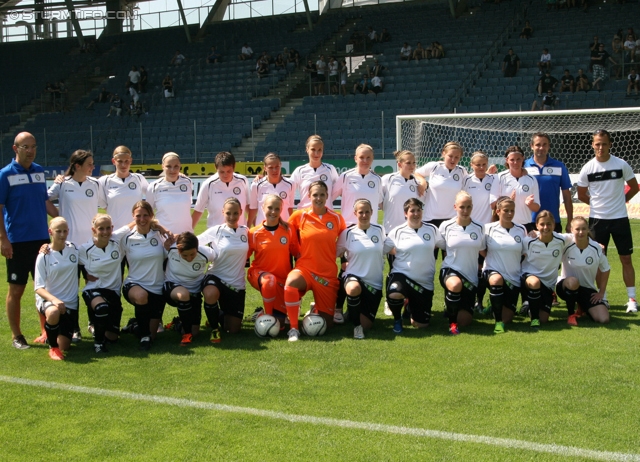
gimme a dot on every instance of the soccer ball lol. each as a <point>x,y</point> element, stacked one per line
<point>267,326</point>
<point>314,325</point>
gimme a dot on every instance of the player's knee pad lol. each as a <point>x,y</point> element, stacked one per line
<point>101,311</point>
<point>396,287</point>
<point>452,297</point>
<point>496,290</point>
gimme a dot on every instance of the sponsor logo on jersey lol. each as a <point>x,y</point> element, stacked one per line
<point>283,240</point>
<point>589,260</point>
<point>375,239</point>
<point>556,253</point>
<point>323,177</point>
<point>153,241</point>
<point>89,192</point>
<point>330,225</point>
<point>371,184</point>
<point>73,258</point>
<point>196,266</point>
<point>115,254</point>
<point>525,188</point>
<point>183,187</point>
<point>236,190</point>
<point>132,186</point>
<point>243,238</point>
<point>473,236</point>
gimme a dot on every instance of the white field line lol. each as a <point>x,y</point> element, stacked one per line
<point>508,443</point>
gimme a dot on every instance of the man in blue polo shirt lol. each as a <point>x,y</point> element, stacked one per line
<point>553,179</point>
<point>24,205</point>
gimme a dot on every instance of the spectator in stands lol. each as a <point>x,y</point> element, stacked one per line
<point>617,53</point>
<point>567,82</point>
<point>510,64</point>
<point>144,79</point>
<point>311,70</point>
<point>593,46</point>
<point>63,93</point>
<point>376,69</point>
<point>54,95</point>
<point>634,82</point>
<point>214,56</point>
<point>102,97</point>
<point>167,87</point>
<point>376,84</point>
<point>437,50</point>
<point>527,31</point>
<point>133,93</point>
<point>266,57</point>
<point>262,68</point>
<point>582,81</point>
<point>362,86</point>
<point>334,69</point>
<point>419,52</point>
<point>547,82</point>
<point>405,52</point>
<point>545,61</point>
<point>599,59</point>
<point>629,48</point>
<point>246,52</point>
<point>372,36</point>
<point>116,105</point>
<point>134,78</point>
<point>279,63</point>
<point>178,58</point>
<point>385,36</point>
<point>321,67</point>
<point>549,102</point>
<point>344,74</point>
<point>294,57</point>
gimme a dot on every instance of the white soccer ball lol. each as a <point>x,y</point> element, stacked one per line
<point>314,325</point>
<point>267,326</point>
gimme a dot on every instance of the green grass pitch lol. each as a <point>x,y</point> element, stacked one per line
<point>573,387</point>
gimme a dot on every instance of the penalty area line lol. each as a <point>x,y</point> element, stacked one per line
<point>568,451</point>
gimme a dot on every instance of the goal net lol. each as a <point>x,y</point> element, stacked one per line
<point>570,133</point>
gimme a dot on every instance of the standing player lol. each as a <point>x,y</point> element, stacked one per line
<point>318,228</point>
<point>462,240</point>
<point>171,196</point>
<point>24,205</point>
<point>363,244</point>
<point>56,286</point>
<point>553,180</point>
<point>601,185</point>
<point>501,270</point>
<point>414,267</point>
<point>584,262</point>
<point>225,282</point>
<point>214,192</point>
<point>359,183</point>
<point>397,188</point>
<point>519,186</point>
<point>120,190</point>
<point>316,170</point>
<point>272,183</point>
<point>273,244</point>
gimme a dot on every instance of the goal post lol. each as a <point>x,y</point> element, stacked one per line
<point>570,133</point>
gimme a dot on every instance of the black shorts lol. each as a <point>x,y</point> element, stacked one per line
<point>113,300</point>
<point>67,322</point>
<point>510,292</point>
<point>196,298</point>
<point>23,261</point>
<point>370,297</point>
<point>155,301</point>
<point>545,293</point>
<point>231,300</point>
<point>420,298</point>
<point>584,296</point>
<point>468,289</point>
<point>619,229</point>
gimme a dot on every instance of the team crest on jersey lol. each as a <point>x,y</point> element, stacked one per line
<point>556,253</point>
<point>549,170</point>
<point>132,186</point>
<point>153,241</point>
<point>37,176</point>
<point>613,174</point>
<point>456,177</point>
<point>236,190</point>
<point>426,237</point>
<point>323,177</point>
<point>243,238</point>
<point>196,266</point>
<point>375,239</point>
<point>589,260</point>
<point>89,192</point>
<point>73,258</point>
<point>283,240</point>
<point>283,195</point>
<point>487,187</point>
<point>517,239</point>
<point>330,225</point>
<point>473,236</point>
<point>525,188</point>
<point>371,184</point>
<point>412,188</point>
<point>115,255</point>
<point>183,187</point>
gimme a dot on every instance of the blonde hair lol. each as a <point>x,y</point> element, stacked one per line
<point>100,216</point>
<point>480,154</point>
<point>122,151</point>
<point>362,147</point>
<point>57,220</point>
<point>462,195</point>
<point>275,197</point>
<point>452,145</point>
<point>170,155</point>
<point>314,138</point>
<point>362,201</point>
<point>399,155</point>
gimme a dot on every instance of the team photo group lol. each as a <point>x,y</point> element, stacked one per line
<point>497,232</point>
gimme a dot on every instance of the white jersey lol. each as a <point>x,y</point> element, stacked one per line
<point>145,257</point>
<point>506,183</point>
<point>261,188</point>
<point>584,264</point>
<point>118,195</point>
<point>396,190</point>
<point>444,184</point>
<point>480,192</point>
<point>352,186</point>
<point>78,204</point>
<point>232,246</point>
<point>415,252</point>
<point>542,260</point>
<point>504,250</point>
<point>462,244</point>
<point>303,176</point>
<point>57,273</point>
<point>189,274</point>
<point>364,251</point>
<point>172,203</point>
<point>214,192</point>
<point>103,264</point>
<point>606,181</point>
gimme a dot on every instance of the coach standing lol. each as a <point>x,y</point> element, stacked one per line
<point>601,185</point>
<point>553,179</point>
<point>23,224</point>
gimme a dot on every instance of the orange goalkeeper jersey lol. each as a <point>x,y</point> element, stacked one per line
<point>273,249</point>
